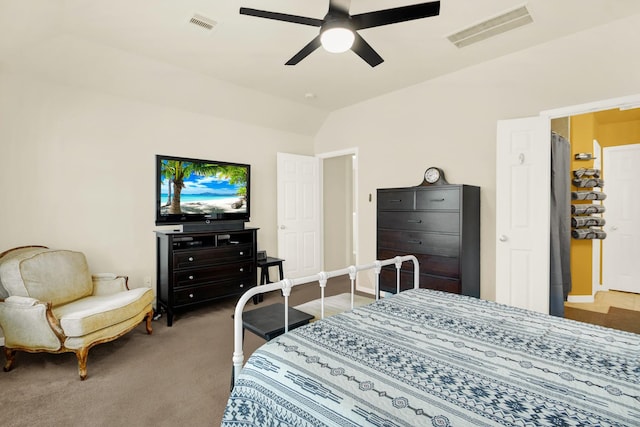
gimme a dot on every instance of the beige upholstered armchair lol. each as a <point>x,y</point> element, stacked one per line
<point>50,302</point>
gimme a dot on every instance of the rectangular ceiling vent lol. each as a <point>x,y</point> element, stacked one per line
<point>203,22</point>
<point>492,27</point>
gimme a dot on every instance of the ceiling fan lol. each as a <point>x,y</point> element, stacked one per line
<point>338,29</point>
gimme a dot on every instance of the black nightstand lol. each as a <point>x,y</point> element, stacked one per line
<point>268,322</point>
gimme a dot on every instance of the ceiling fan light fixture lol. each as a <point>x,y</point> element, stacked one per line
<point>337,39</point>
<point>338,28</point>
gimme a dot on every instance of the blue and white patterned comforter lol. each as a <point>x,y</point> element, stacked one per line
<point>428,358</point>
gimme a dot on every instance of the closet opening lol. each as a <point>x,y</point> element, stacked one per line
<point>604,155</point>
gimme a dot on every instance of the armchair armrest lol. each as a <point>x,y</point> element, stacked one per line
<point>109,283</point>
<point>30,324</point>
<point>18,300</point>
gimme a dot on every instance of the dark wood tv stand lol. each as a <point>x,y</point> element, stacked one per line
<point>203,266</point>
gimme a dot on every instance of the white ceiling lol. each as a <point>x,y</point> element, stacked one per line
<point>250,52</point>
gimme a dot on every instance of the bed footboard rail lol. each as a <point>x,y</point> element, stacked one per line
<point>322,277</point>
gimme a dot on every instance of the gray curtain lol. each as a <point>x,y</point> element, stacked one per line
<point>560,266</point>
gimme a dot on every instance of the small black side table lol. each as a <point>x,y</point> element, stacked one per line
<point>264,271</point>
<point>268,322</point>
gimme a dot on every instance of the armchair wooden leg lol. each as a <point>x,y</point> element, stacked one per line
<point>11,355</point>
<point>148,323</point>
<point>82,355</point>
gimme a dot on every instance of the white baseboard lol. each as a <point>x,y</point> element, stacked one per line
<point>580,298</point>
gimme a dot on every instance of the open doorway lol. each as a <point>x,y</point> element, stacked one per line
<point>602,134</point>
<point>603,266</point>
<point>317,212</point>
<point>339,195</point>
<point>522,196</point>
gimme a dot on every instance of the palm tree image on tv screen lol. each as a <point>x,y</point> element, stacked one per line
<point>202,188</point>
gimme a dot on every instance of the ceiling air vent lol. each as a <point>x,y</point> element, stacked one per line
<point>492,27</point>
<point>202,21</point>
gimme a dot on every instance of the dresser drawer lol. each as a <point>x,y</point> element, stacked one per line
<point>185,296</point>
<point>396,200</point>
<point>447,245</point>
<point>446,222</point>
<point>438,199</point>
<point>221,272</point>
<point>204,257</point>
<point>388,282</point>
<point>429,264</point>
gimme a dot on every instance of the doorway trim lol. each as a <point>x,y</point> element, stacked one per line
<point>631,101</point>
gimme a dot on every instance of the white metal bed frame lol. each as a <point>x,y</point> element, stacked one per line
<point>287,284</point>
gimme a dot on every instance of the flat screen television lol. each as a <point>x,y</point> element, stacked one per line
<point>201,194</point>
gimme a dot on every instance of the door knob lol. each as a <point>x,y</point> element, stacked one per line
<point>503,238</point>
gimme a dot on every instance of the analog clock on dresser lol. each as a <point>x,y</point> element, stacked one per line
<point>434,176</point>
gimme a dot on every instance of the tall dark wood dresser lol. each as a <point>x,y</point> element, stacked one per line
<point>438,224</point>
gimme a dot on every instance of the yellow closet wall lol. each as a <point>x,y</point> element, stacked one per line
<point>583,132</point>
<point>608,132</point>
<point>623,133</point>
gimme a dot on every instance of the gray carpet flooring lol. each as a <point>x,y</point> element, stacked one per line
<point>180,375</point>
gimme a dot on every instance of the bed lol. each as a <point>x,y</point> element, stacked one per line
<point>424,357</point>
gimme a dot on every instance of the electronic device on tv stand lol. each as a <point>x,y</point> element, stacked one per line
<point>201,194</point>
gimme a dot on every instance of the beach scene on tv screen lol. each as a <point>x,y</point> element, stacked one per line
<point>201,188</point>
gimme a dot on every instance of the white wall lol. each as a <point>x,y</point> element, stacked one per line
<point>450,121</point>
<point>78,169</point>
<point>77,164</point>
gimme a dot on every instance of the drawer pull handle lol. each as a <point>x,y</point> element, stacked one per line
<point>415,221</point>
<point>395,201</point>
<point>241,269</point>
<point>242,285</point>
<point>416,242</point>
<point>190,277</point>
<point>190,295</point>
<point>241,253</point>
<point>437,200</point>
<point>190,258</point>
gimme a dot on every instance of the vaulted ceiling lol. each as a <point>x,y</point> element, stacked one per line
<point>60,38</point>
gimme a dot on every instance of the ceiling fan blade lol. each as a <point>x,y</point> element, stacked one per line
<point>305,51</point>
<point>365,51</point>
<point>281,17</point>
<point>395,15</point>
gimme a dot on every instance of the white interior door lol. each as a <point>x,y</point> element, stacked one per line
<point>621,248</point>
<point>523,179</point>
<point>299,217</point>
